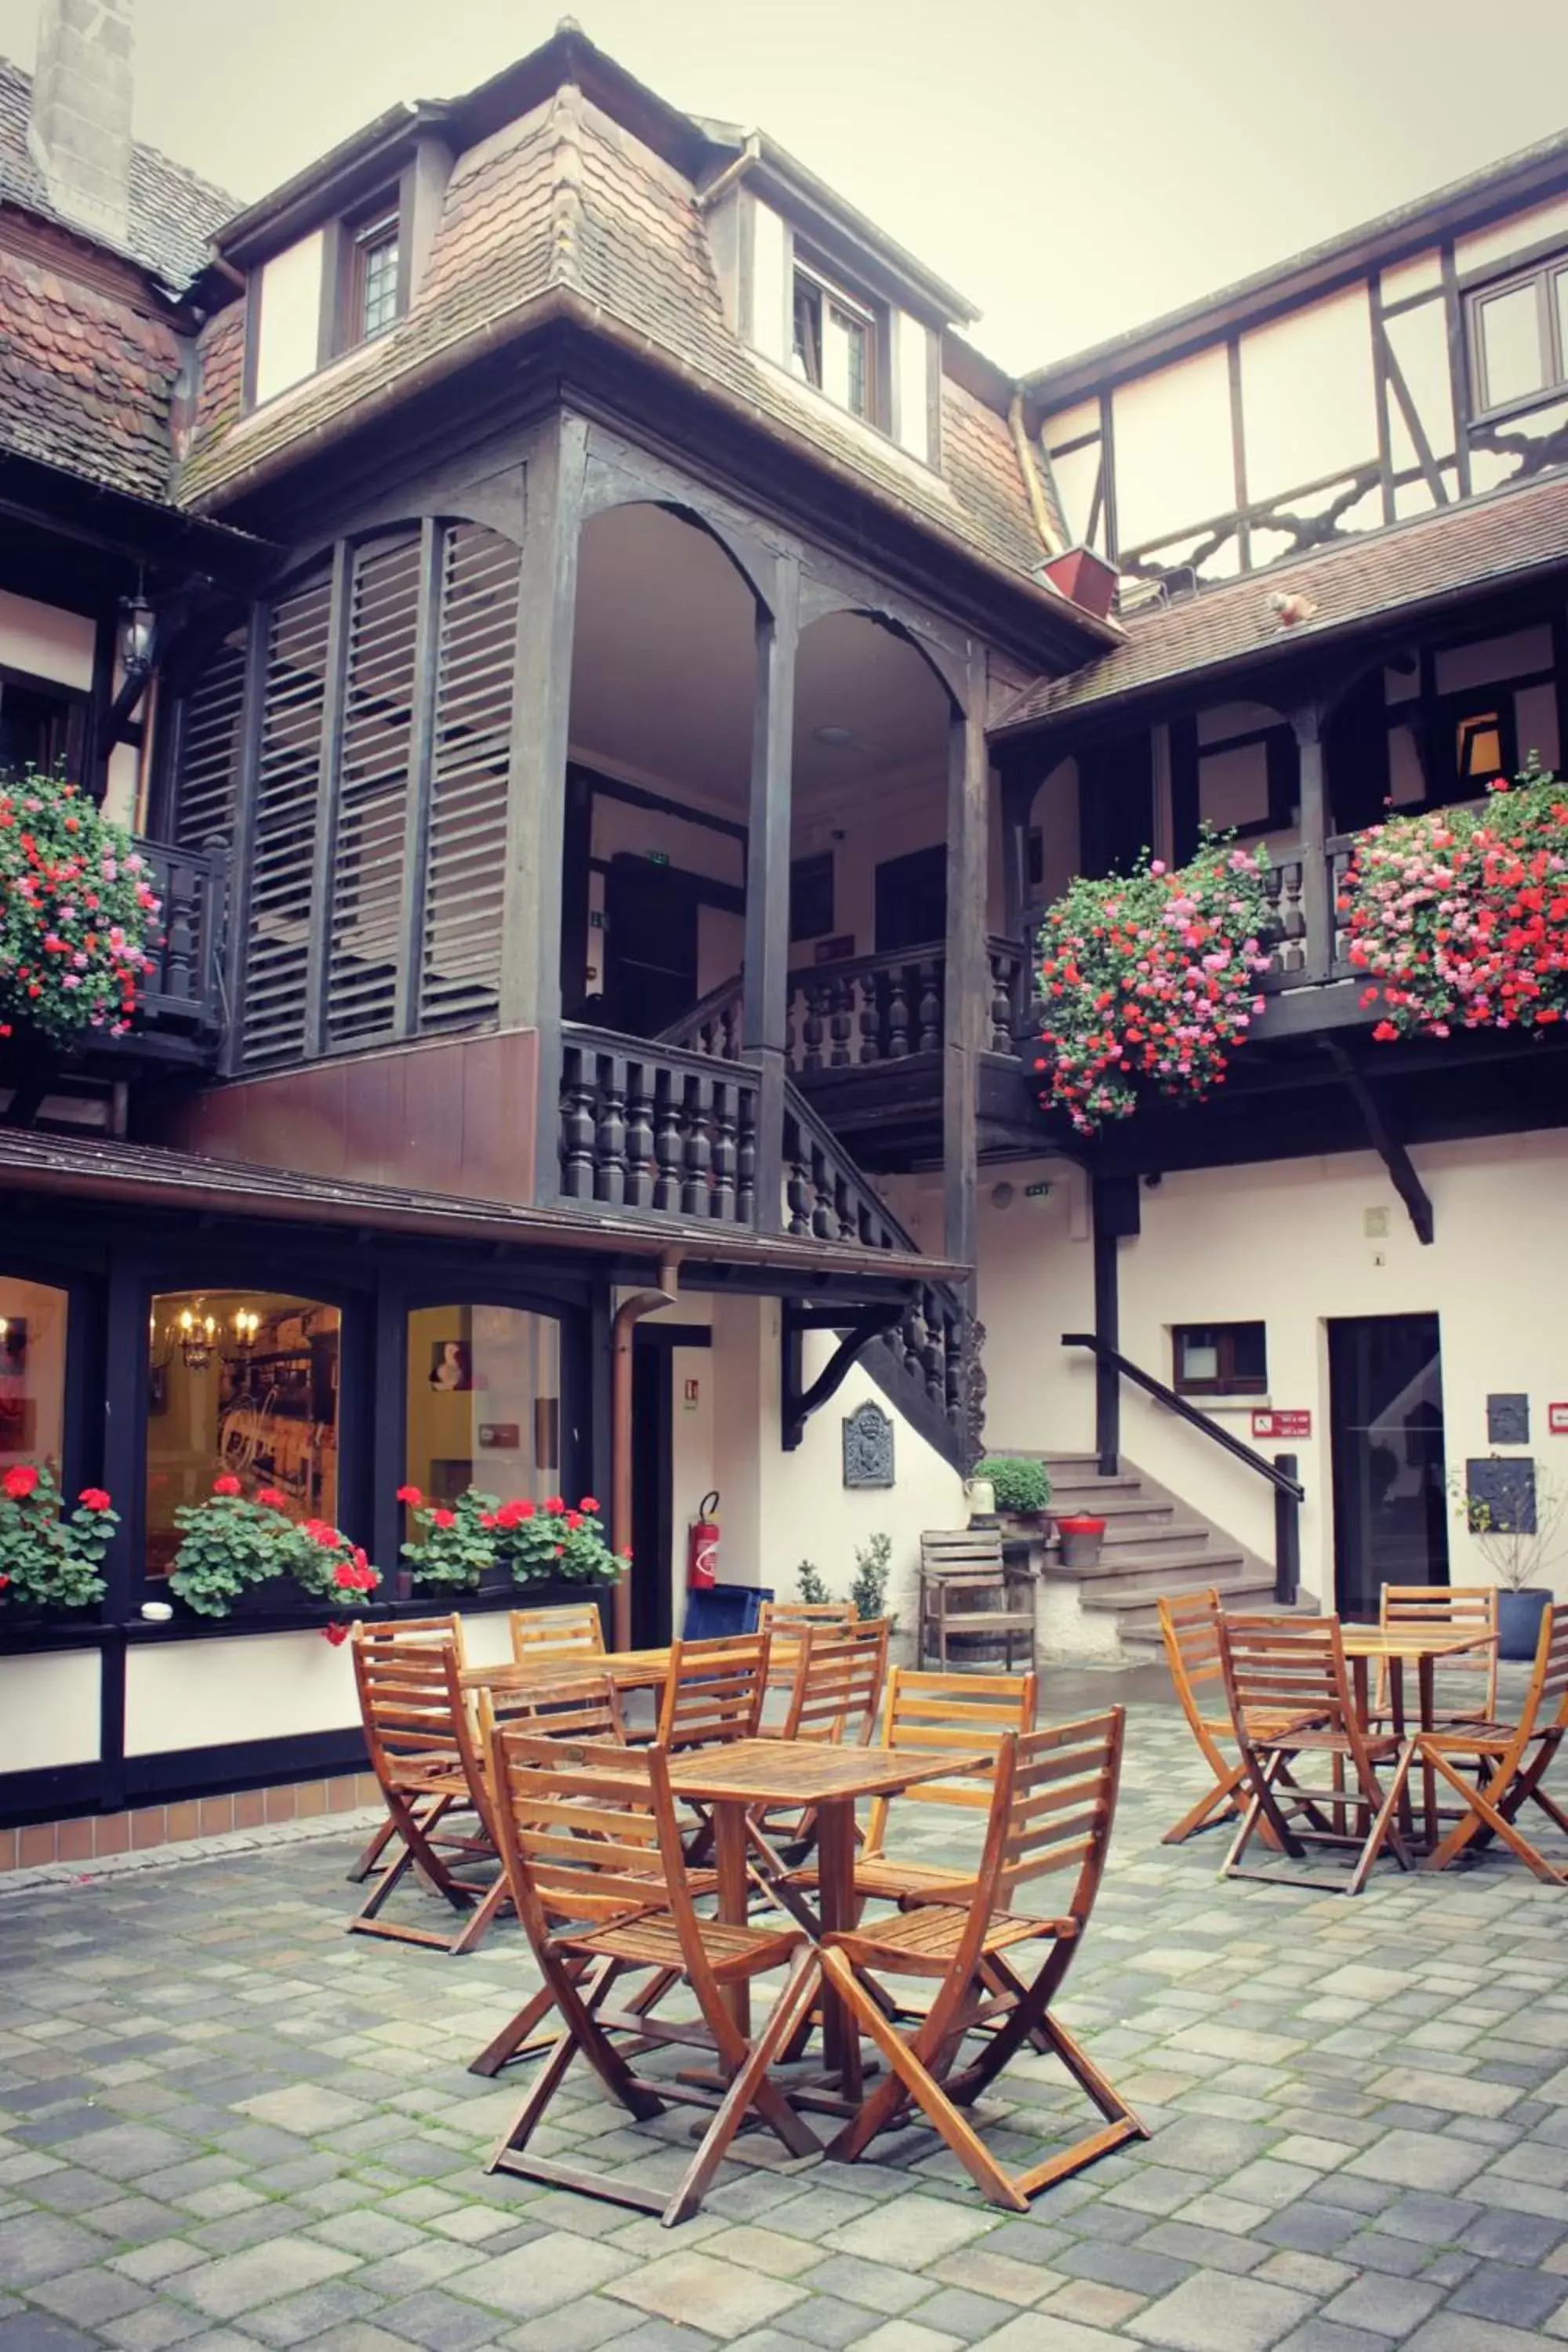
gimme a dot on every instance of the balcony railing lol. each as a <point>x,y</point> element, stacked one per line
<point>1310,948</point>
<point>185,990</point>
<point>867,1012</point>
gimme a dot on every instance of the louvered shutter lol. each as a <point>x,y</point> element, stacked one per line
<point>206,786</point>
<point>366,934</point>
<point>459,951</point>
<point>283,835</point>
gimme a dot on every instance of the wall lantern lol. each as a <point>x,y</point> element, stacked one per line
<point>138,630</point>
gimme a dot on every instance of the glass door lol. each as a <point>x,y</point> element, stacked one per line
<point>1386,1396</point>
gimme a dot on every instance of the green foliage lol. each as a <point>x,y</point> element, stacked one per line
<point>1018,1483</point>
<point>869,1585</point>
<point>460,1543</point>
<point>234,1540</point>
<point>1518,1555</point>
<point>48,1559</point>
<point>811,1585</point>
<point>78,913</point>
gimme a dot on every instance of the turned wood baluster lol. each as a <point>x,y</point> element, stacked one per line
<point>821,1195</point>
<point>844,1208</point>
<point>898,1012</point>
<point>746,1158</point>
<point>932,1355</point>
<point>577,1127</point>
<point>695,1191</point>
<point>912,1335</point>
<point>667,1146</point>
<point>1339,934</point>
<point>929,1014</point>
<point>953,1350</point>
<point>797,1189</point>
<point>724,1126</point>
<point>870,1019</point>
<point>1001,1003</point>
<point>610,1136</point>
<point>174,973</point>
<point>815,996</point>
<point>790,1039</point>
<point>639,1136</point>
<point>843,1001</point>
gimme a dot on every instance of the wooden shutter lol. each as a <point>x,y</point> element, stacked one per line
<point>207,787</point>
<point>365,933</point>
<point>460,967</point>
<point>283,837</point>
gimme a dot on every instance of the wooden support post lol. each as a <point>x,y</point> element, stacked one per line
<point>1108,1225</point>
<point>541,707</point>
<point>966,986</point>
<point>1287,1536</point>
<point>1385,1143</point>
<point>764,1008</point>
<point>1316,903</point>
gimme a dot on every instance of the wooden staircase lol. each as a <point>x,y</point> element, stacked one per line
<point>1154,1544</point>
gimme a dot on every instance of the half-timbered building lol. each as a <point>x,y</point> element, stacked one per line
<point>604,673</point>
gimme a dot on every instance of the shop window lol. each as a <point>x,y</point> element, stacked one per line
<point>1221,1358</point>
<point>484,1401</point>
<point>244,1381</point>
<point>32,1372</point>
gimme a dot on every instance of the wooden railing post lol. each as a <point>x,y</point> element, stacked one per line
<point>1286,1536</point>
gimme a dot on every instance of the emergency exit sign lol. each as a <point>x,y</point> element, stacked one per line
<point>1282,1425</point>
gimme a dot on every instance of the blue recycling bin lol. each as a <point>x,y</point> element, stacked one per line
<point>716,1610</point>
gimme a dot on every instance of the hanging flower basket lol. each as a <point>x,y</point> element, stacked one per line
<point>1148,981</point>
<point>78,914</point>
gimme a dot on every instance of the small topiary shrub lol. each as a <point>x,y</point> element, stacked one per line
<point>1019,1483</point>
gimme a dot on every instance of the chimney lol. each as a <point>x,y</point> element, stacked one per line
<point>79,134</point>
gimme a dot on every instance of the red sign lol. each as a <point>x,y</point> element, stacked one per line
<point>1287,1424</point>
<point>1557,1419</point>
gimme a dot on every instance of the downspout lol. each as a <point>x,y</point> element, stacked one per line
<point>627,1315</point>
<point>751,154</point>
<point>1025,456</point>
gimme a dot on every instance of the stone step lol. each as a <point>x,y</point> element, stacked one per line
<point>1136,1506</point>
<point>1102,1586</point>
<point>1138,1620</point>
<point>1135,1535</point>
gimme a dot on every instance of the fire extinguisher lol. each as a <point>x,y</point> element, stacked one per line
<point>702,1545</point>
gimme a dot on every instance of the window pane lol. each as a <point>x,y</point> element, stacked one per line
<point>256,1398</point>
<point>32,1372</point>
<point>1197,1355</point>
<point>1479,746</point>
<point>1249,1358</point>
<point>843,370</point>
<point>378,299</point>
<point>1560,288</point>
<point>484,1401</point>
<point>1510,327</point>
<point>807,353</point>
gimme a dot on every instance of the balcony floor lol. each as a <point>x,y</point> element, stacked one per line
<point>226,2125</point>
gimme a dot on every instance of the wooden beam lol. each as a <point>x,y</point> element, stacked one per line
<point>966,1022</point>
<point>798,1403</point>
<point>1385,1143</point>
<point>764,1004</point>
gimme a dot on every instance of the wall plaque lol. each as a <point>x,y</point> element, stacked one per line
<point>1282,1422</point>
<point>868,1448</point>
<point>1508,1420</point>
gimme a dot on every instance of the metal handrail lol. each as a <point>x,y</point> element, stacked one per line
<point>1278,1479</point>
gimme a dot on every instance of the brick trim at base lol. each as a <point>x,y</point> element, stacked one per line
<point>83,1838</point>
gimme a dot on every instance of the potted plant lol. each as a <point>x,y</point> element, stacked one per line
<point>50,1560</point>
<point>1021,1486</point>
<point>1082,1533</point>
<point>78,915</point>
<point>479,1540</point>
<point>236,1548</point>
<point>1518,1539</point>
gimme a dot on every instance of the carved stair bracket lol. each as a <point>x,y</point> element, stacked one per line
<point>974,1388</point>
<point>797,1402</point>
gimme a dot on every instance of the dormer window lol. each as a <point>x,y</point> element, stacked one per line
<point>834,343</point>
<point>373,272</point>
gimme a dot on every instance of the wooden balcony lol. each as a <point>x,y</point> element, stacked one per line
<point>183,1006</point>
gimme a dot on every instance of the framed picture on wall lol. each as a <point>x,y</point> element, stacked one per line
<point>451,1365</point>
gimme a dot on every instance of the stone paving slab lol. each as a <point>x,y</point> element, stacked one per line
<point>225,2126</point>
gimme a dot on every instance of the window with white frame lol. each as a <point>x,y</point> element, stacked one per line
<point>835,341</point>
<point>1519,336</point>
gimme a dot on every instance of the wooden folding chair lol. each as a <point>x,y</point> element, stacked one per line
<point>713,1691</point>
<point>1290,1697</point>
<point>835,1693</point>
<point>1189,1625</point>
<point>1510,1760</point>
<point>960,1567</point>
<point>541,1633</point>
<point>1051,1809</point>
<point>958,1715</point>
<point>588,1832</point>
<point>424,1753</point>
<point>786,1620</point>
<point>419,1630</point>
<point>1458,1609</point>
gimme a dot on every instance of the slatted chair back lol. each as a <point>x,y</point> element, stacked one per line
<point>384,1636</point>
<point>786,1620</point>
<point>581,1831</point>
<point>837,1683</point>
<point>587,1707</point>
<point>1288,1669</point>
<point>960,1547</point>
<point>958,1715</point>
<point>1456,1608</point>
<point>1189,1627</point>
<point>411,1706</point>
<point>714,1691</point>
<point>540,1633</point>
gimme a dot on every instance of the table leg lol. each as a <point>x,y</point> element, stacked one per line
<point>836,1896</point>
<point>733,1892</point>
<point>1427,1670</point>
<point>1396,1716</point>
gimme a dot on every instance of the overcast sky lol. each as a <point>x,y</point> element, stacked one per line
<point>1074,166</point>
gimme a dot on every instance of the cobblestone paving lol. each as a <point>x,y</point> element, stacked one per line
<point>223,2124</point>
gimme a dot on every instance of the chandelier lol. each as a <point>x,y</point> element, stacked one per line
<point>196,1332</point>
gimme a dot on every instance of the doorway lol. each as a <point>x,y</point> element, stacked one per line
<point>1386,1416</point>
<point>652,1492</point>
<point>650,947</point>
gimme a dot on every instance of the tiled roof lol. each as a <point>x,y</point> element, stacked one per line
<point>172,213</point>
<point>1436,555</point>
<point>568,201</point>
<point>85,379</point>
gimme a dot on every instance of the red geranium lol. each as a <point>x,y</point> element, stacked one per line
<point>588,1503</point>
<point>411,1496</point>
<point>227,1484</point>
<point>554,1503</point>
<point>443,1518</point>
<point>20,1482</point>
<point>336,1634</point>
<point>273,1496</point>
<point>94,1498</point>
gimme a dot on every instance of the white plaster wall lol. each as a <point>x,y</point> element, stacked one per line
<point>1419,341</point>
<point>1308,402</point>
<point>1171,431</point>
<point>288,317</point>
<point>210,1693</point>
<point>770,284</point>
<point>1286,1243</point>
<point>50,1710</point>
<point>1075,476</point>
<point>1515,235</point>
<point>45,640</point>
<point>911,366</point>
<point>908,815</point>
